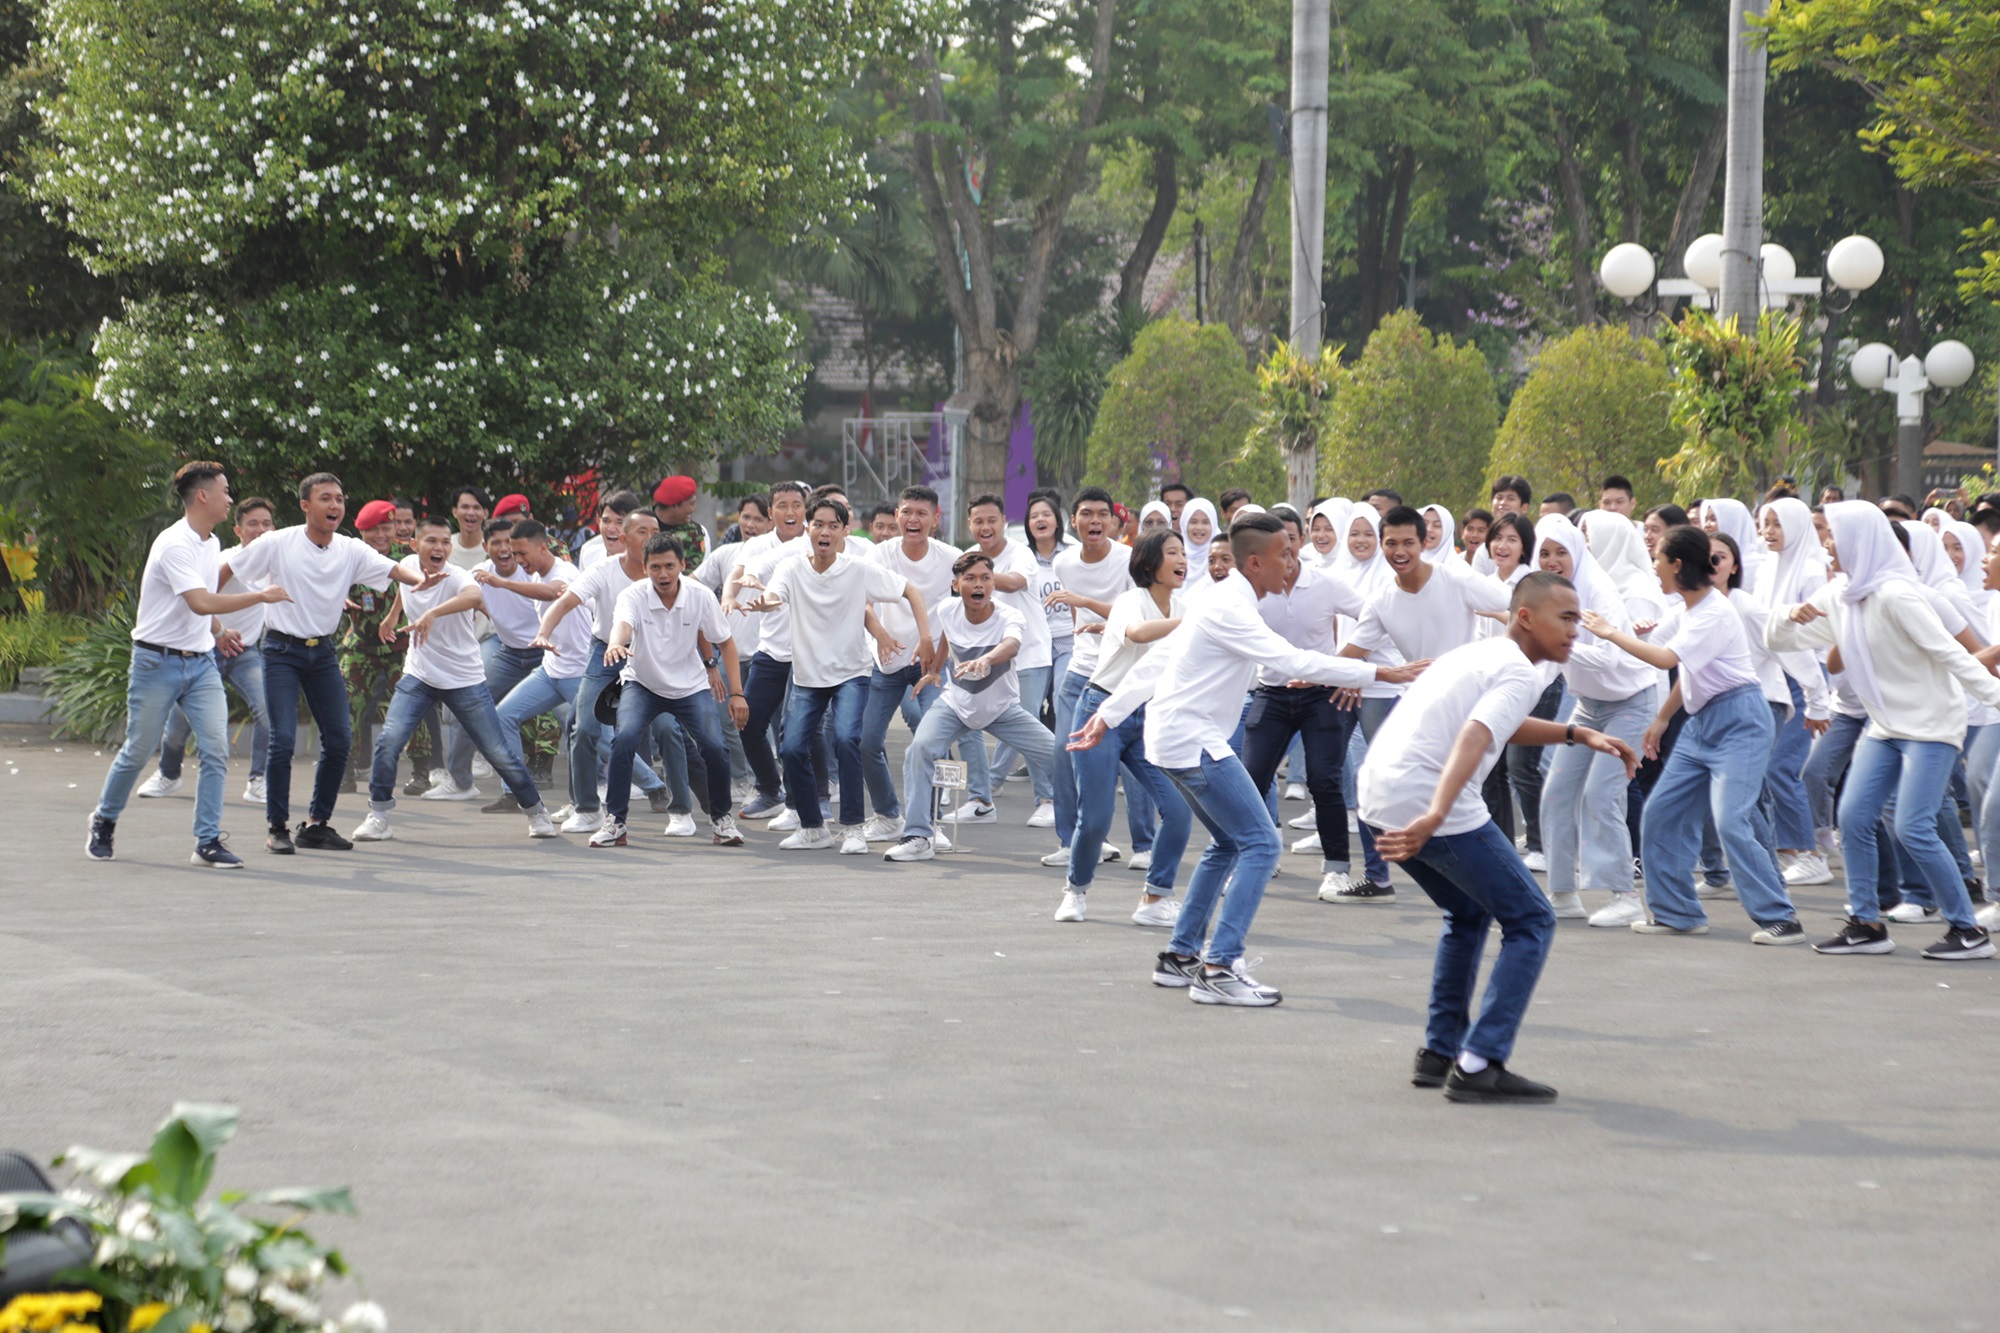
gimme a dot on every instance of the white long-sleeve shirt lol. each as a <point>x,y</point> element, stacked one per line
<point>1923,672</point>
<point>1193,683</point>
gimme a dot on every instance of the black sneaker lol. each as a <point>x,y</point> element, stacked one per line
<point>1431,1069</point>
<point>1858,936</point>
<point>1780,932</point>
<point>1170,969</point>
<point>321,838</point>
<point>417,785</point>
<point>215,856</point>
<point>1361,891</point>
<point>1494,1084</point>
<point>506,805</point>
<point>660,802</point>
<point>279,840</point>
<point>1960,945</point>
<point>98,847</point>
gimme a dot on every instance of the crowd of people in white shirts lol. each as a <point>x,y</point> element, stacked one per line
<point>1672,707</point>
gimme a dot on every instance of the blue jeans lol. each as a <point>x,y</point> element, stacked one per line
<point>637,709</point>
<point>1786,807</point>
<point>1096,772</point>
<point>887,692</point>
<point>1140,817</point>
<point>505,668</point>
<point>1372,713</point>
<point>1831,751</point>
<point>764,694</point>
<point>292,668</point>
<point>1280,718</point>
<point>809,705</point>
<point>155,684</point>
<point>246,672</point>
<point>1583,799</point>
<point>940,729</point>
<point>537,694</point>
<point>477,717</point>
<point>1241,855</point>
<point>587,747</point>
<point>1034,689</point>
<point>1478,879</point>
<point>1982,781</point>
<point>1717,765</point>
<point>1915,774</point>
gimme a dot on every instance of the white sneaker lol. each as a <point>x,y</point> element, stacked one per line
<point>539,823</point>
<point>1536,862</point>
<point>727,834</point>
<point>254,789</point>
<point>881,828</point>
<point>939,840</point>
<point>978,812</point>
<point>1310,819</point>
<point>852,843</point>
<point>375,828</point>
<point>1569,906</point>
<point>1334,883</point>
<point>1161,912</point>
<point>158,785</point>
<point>583,821</point>
<point>1072,905</point>
<point>1974,854</point>
<point>1988,916</point>
<point>438,775</point>
<point>450,791</point>
<point>912,848</point>
<point>1308,845</point>
<point>1809,868</point>
<point>1295,791</point>
<point>680,826</point>
<point>1353,822</point>
<point>480,768</point>
<point>612,834</point>
<point>786,822</point>
<point>1703,889</point>
<point>1141,860</point>
<point>1058,857</point>
<point>808,840</point>
<point>1620,912</point>
<point>1044,816</point>
<point>1911,914</point>
<point>1108,854</point>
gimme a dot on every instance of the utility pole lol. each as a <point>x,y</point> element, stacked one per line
<point>1311,23</point>
<point>1743,172</point>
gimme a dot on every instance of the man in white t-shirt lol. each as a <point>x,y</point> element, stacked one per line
<point>316,565</point>
<point>173,664</point>
<point>539,578</point>
<point>470,507</point>
<point>979,641</point>
<point>829,595</point>
<point>1419,793</point>
<point>240,657</point>
<point>610,537</point>
<point>508,654</point>
<point>769,673</point>
<point>1015,574</point>
<point>443,668</point>
<point>677,657</point>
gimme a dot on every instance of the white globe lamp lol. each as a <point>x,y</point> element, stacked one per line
<point>1871,365</point>
<point>1949,364</point>
<point>1703,261</point>
<point>1854,264</point>
<point>1627,270</point>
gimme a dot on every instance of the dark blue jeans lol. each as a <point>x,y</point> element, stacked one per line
<point>1478,879</point>
<point>764,694</point>
<point>292,668</point>
<point>478,719</point>
<point>637,708</point>
<point>1277,715</point>
<point>809,706</point>
<point>1096,774</point>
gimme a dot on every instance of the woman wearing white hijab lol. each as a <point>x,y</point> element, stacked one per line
<point>1732,519</point>
<point>1360,562</point>
<point>1156,514</point>
<point>1197,547</point>
<point>1792,575</point>
<point>1620,549</point>
<point>1583,802</point>
<point>1328,529</point>
<point>1913,678</point>
<point>1438,528</point>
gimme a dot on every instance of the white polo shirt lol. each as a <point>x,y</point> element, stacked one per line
<point>761,558</point>
<point>665,658</point>
<point>181,561</point>
<point>249,622</point>
<point>317,577</point>
<point>572,637</point>
<point>448,658</point>
<point>1308,615</point>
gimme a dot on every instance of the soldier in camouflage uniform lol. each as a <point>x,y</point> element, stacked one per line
<point>373,667</point>
<point>673,505</point>
<point>517,508</point>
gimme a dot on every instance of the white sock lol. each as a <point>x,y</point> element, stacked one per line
<point>1471,1063</point>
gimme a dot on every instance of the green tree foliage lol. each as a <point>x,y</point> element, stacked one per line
<point>1735,401</point>
<point>1065,385</point>
<point>1180,408</point>
<point>431,242</point>
<point>1417,411</point>
<point>1596,403</point>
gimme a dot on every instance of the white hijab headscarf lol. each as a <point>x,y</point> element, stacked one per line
<point>1937,518</point>
<point>1444,550</point>
<point>1335,512</point>
<point>1872,558</point>
<point>1620,549</point>
<point>1368,575</point>
<point>1594,589</point>
<point>1973,543</point>
<point>1794,574</point>
<point>1197,552</point>
<point>1732,520</point>
<point>1152,507</point>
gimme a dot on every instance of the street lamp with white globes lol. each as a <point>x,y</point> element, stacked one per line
<point>1874,367</point>
<point>1630,273</point>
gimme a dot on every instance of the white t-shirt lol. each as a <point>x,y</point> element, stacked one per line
<point>1715,655</point>
<point>930,573</point>
<point>979,702</point>
<point>593,551</point>
<point>1309,615</point>
<point>1062,626</point>
<point>572,637</point>
<point>665,657</point>
<point>181,561</point>
<point>516,619</point>
<point>714,574</point>
<point>1014,558</point>
<point>467,558</point>
<point>761,557</point>
<point>1101,581</point>
<point>448,658</point>
<point>317,577</point>
<point>829,613</point>
<point>1490,682</point>
<point>598,588</point>
<point>249,622</point>
<point>1428,623</point>
<point>1117,654</point>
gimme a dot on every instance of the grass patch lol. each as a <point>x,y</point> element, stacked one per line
<point>35,640</point>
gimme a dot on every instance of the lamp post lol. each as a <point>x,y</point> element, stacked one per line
<point>1875,367</point>
<point>1630,273</point>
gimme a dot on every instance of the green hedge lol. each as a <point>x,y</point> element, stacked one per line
<point>36,639</point>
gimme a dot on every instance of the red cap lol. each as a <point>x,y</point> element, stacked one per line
<point>373,515</point>
<point>673,491</point>
<point>509,503</point>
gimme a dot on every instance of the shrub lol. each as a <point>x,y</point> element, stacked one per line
<point>1596,403</point>
<point>35,640</point>
<point>1735,402</point>
<point>88,683</point>
<point>1415,412</point>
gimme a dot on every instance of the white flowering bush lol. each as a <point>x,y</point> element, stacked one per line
<point>421,230</point>
<point>168,1260</point>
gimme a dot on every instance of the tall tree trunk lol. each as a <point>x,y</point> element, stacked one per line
<point>1583,231</point>
<point>1632,226</point>
<point>1236,282</point>
<point>1166,198</point>
<point>1384,215</point>
<point>1692,208</point>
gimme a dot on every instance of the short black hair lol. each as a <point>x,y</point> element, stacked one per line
<point>880,509</point>
<point>1051,497</point>
<point>987,498</point>
<point>195,476</point>
<point>1615,482</point>
<point>1735,557</point>
<point>643,515</point>
<point>665,543</point>
<point>1249,533</point>
<point>1562,500</point>
<point>1402,516</point>
<point>968,560</point>
<point>797,488</point>
<point>1672,515</point>
<point>1835,491</point>
<point>829,488</point>
<point>1689,545</point>
<point>1092,495</point>
<point>1522,527</point>
<point>1148,554</point>
<point>434,521</point>
<point>485,500</point>
<point>1518,485</point>
<point>1180,486</point>
<point>923,493</point>
<point>1231,496</point>
<point>757,500</point>
<point>493,526</point>
<point>317,479</point>
<point>250,502</point>
<point>403,502</point>
<point>620,502</point>
<point>1393,497</point>
<point>840,511</point>
<point>1534,589</point>
<point>1475,516</point>
<point>528,530</point>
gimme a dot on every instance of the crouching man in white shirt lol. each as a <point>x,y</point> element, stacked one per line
<point>978,640</point>
<point>443,666</point>
<point>1419,792</point>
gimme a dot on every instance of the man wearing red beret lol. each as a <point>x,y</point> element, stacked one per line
<point>372,667</point>
<point>673,503</point>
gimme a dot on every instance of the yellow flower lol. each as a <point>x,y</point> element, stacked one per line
<point>146,1316</point>
<point>52,1312</point>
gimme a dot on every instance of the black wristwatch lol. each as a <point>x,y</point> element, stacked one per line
<point>1569,736</point>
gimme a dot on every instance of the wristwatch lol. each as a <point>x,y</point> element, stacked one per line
<point>1569,736</point>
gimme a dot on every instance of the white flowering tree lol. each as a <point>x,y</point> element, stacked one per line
<point>427,242</point>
